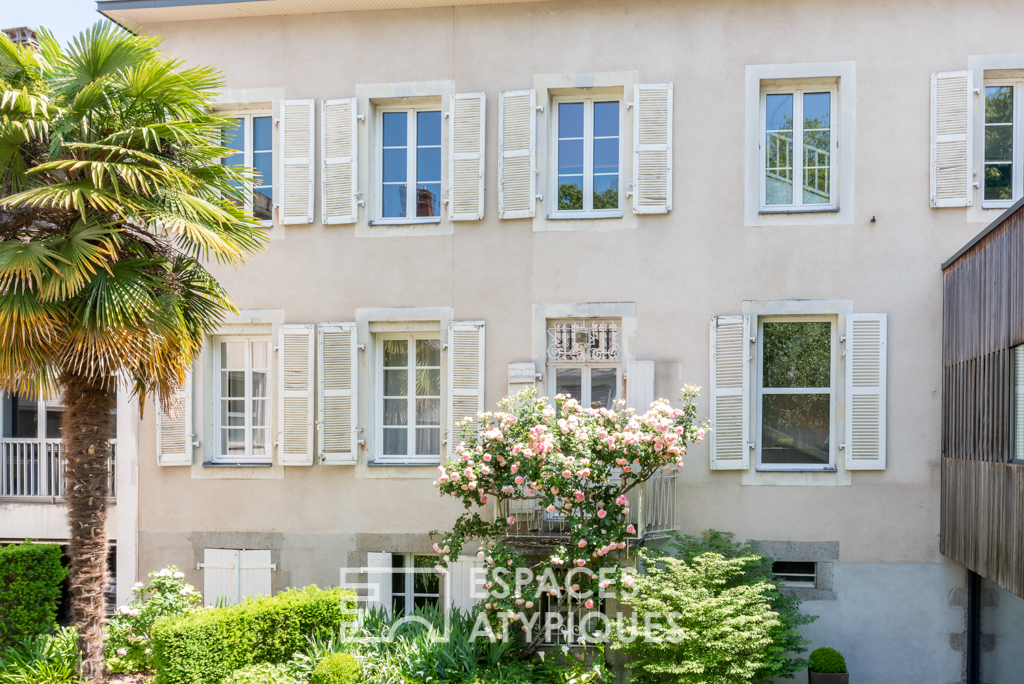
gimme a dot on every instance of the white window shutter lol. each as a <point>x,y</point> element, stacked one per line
<point>639,385</point>
<point>297,161</point>
<point>338,387</point>
<point>296,355</point>
<point>952,126</point>
<point>254,578</point>
<point>174,428</point>
<point>220,576</point>
<point>466,143</point>
<point>730,392</point>
<point>467,583</point>
<point>520,376</point>
<point>465,376</point>
<point>865,393</point>
<point>517,158</point>
<point>340,141</point>
<point>652,148</point>
<point>378,577</point>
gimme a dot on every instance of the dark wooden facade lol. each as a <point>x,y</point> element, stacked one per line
<point>982,485</point>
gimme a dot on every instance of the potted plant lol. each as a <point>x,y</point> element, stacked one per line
<point>827,666</point>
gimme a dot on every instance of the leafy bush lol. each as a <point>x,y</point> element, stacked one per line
<point>205,646</point>
<point>785,637</point>
<point>263,673</point>
<point>41,659</point>
<point>826,660</point>
<point>128,646</point>
<point>337,668</point>
<point>30,578</point>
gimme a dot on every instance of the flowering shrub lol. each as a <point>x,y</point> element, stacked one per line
<point>128,645</point>
<point>583,463</point>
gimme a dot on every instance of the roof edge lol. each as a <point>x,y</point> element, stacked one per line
<point>980,236</point>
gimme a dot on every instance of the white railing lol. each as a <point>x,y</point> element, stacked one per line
<point>35,468</point>
<point>654,515</point>
<point>780,151</point>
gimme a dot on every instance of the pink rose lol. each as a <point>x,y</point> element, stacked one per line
<point>589,603</point>
<point>512,520</point>
<point>630,529</point>
<point>601,513</point>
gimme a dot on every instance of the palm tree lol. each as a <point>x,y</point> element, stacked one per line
<point>112,199</point>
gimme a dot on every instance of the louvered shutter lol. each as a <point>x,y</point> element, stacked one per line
<point>952,172</point>
<point>339,373</point>
<point>378,579</point>
<point>730,392</point>
<point>174,428</point>
<point>466,583</point>
<point>639,385</point>
<point>517,160</point>
<point>652,151</point>
<point>220,576</point>
<point>466,142</point>
<point>340,137</point>
<point>865,394</point>
<point>296,392</point>
<point>465,376</point>
<point>297,161</point>
<point>254,573</point>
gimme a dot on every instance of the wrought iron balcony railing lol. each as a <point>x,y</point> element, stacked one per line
<point>34,468</point>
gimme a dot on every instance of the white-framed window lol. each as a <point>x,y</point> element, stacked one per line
<point>584,360</point>
<point>587,157</point>
<point>409,159</point>
<point>253,137</point>
<point>414,582</point>
<point>241,387</point>
<point>796,574</point>
<point>409,397</point>
<point>796,374</point>
<point>593,385</point>
<point>799,141</point>
<point>1003,182</point>
<point>30,418</point>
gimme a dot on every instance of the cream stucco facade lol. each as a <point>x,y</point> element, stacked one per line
<point>891,607</point>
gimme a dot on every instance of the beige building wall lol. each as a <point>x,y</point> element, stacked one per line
<point>680,269</point>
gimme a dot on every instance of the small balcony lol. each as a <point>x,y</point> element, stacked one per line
<point>33,469</point>
<point>654,515</point>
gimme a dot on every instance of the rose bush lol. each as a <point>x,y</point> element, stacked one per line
<point>585,464</point>
<point>127,646</point>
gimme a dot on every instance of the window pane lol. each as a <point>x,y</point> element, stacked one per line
<point>396,129</point>
<point>259,413</point>
<point>259,442</point>
<point>262,133</point>
<point>606,119</point>
<point>426,582</point>
<point>998,104</point>
<point>428,199</point>
<point>428,411</point>
<point>428,441</point>
<point>395,165</point>
<point>397,574</point>
<point>54,420</point>
<point>606,155</point>
<point>795,428</point>
<point>797,354</point>
<point>817,139</point>
<point>232,355</point>
<point>396,441</point>
<point>396,353</point>
<point>21,417</point>
<point>263,164</point>
<point>570,192</point>
<point>569,381</point>
<point>428,165</point>
<point>570,120</point>
<point>234,138</point>
<point>394,201</point>
<point>233,443</point>
<point>396,411</point>
<point>259,384</point>
<point>428,129</point>
<point>998,143</point>
<point>396,382</point>
<point>428,382</point>
<point>606,192</point>
<point>428,352</point>
<point>232,412</point>
<point>603,389</point>
<point>570,157</point>
<point>778,149</point>
<point>998,181</point>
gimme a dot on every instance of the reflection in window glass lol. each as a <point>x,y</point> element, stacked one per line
<point>263,165</point>
<point>570,156</point>
<point>415,583</point>
<point>569,381</point>
<point>588,155</point>
<point>428,163</point>
<point>807,119</point>
<point>395,163</point>
<point>411,397</point>
<point>411,164</point>
<point>999,142</point>
<point>20,417</point>
<point>603,386</point>
<point>796,403</point>
<point>234,139</point>
<point>244,421</point>
<point>779,149</point>
<point>817,139</point>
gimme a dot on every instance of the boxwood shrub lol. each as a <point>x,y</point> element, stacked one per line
<point>826,660</point>
<point>30,578</point>
<point>337,668</point>
<point>206,646</point>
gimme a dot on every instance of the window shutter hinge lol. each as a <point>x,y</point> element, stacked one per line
<point>361,117</point>
<point>540,108</point>
<point>361,347</point>
<point>629,105</point>
<point>750,445</point>
<point>540,198</point>
<point>842,445</point>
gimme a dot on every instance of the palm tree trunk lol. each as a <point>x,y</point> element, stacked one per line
<point>87,430</point>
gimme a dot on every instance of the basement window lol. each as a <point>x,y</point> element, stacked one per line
<point>796,574</point>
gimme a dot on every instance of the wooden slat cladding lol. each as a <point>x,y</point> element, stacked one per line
<point>983,519</point>
<point>982,508</point>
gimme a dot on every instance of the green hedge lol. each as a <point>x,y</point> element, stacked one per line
<point>337,668</point>
<point>30,577</point>
<point>205,646</point>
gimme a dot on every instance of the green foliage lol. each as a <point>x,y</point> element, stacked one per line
<point>511,672</point>
<point>128,643</point>
<point>262,673</point>
<point>785,637</point>
<point>337,668</point>
<point>41,659</point>
<point>570,197</point>
<point>826,660</point>
<point>204,647</point>
<point>695,623</point>
<point>30,578</point>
